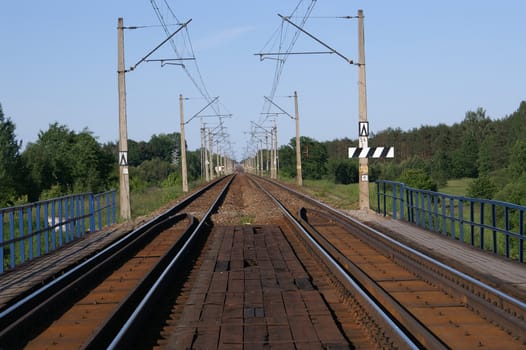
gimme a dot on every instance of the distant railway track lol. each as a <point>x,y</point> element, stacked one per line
<point>429,303</point>
<point>394,296</point>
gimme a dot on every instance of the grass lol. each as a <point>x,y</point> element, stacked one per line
<point>147,201</point>
<point>336,195</point>
<point>457,187</point>
<point>154,198</point>
<point>346,196</point>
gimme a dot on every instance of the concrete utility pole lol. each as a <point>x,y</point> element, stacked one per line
<point>362,107</point>
<point>211,155</point>
<point>299,175</point>
<point>124,180</point>
<point>204,161</point>
<point>276,155</point>
<point>183,147</point>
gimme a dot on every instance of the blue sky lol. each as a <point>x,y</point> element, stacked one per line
<point>427,63</point>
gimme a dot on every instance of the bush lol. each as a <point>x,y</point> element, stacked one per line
<point>418,178</point>
<point>482,187</point>
<point>345,172</point>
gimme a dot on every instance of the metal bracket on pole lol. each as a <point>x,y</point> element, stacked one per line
<point>314,38</point>
<point>281,109</point>
<point>158,46</point>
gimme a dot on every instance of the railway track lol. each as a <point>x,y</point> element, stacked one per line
<point>430,304</point>
<point>101,302</point>
<point>248,263</point>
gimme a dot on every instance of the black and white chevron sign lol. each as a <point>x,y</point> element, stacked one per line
<point>371,152</point>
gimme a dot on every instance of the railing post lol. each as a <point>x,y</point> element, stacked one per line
<point>402,197</point>
<point>12,237</point>
<point>431,212</point>
<point>410,203</point>
<point>452,216</point>
<point>494,224</point>
<point>385,199</point>
<point>394,197</point>
<point>1,241</point>
<point>21,234</point>
<point>100,209</point>
<point>46,225</point>
<point>114,207</point>
<point>60,216</point>
<point>443,205</point>
<point>471,219</point>
<point>482,225</point>
<point>378,196</point>
<point>37,228</point>
<point>521,233</point>
<point>82,203</point>
<point>507,219</point>
<point>30,232</point>
<point>91,200</point>
<point>461,216</point>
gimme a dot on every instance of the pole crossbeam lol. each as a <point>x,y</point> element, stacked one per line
<point>315,38</point>
<point>277,106</point>
<point>183,25</point>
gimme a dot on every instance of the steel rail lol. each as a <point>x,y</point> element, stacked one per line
<point>126,334</point>
<point>391,331</point>
<point>425,337</point>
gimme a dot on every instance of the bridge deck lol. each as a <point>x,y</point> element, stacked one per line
<point>258,295</point>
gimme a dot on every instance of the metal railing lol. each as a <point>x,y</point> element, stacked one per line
<point>487,224</point>
<point>31,230</point>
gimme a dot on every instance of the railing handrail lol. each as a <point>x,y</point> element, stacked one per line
<point>489,224</point>
<point>465,198</point>
<point>34,229</point>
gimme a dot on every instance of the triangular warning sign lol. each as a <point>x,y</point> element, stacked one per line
<point>363,129</point>
<point>123,158</point>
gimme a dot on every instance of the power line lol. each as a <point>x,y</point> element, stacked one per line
<point>283,34</point>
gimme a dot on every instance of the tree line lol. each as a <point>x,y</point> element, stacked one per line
<point>491,152</point>
<point>61,161</point>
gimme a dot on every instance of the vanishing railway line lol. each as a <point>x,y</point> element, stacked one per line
<point>286,272</point>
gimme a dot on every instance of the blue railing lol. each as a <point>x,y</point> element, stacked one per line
<point>31,230</point>
<point>487,224</point>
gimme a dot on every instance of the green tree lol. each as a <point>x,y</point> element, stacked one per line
<point>193,160</point>
<point>11,168</point>
<point>482,187</point>
<point>93,165</point>
<point>417,178</point>
<point>287,160</point>
<point>50,161</point>
<point>517,164</point>
<point>164,146</point>
<point>154,171</point>
<point>314,158</point>
<point>345,172</point>
<point>67,162</point>
<point>514,192</point>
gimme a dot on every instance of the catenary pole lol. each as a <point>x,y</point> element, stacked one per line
<point>183,146</point>
<point>299,175</point>
<point>124,180</point>
<point>362,107</point>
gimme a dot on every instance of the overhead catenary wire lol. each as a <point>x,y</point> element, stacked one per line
<point>281,60</point>
<point>196,78</point>
<point>199,82</point>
